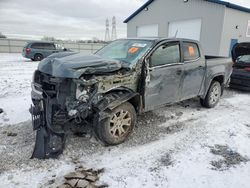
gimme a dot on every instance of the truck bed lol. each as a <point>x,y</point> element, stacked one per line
<point>219,65</point>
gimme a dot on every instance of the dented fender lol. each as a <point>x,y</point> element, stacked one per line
<point>112,100</point>
<point>121,100</point>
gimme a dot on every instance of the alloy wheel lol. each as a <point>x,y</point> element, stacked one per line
<point>120,123</point>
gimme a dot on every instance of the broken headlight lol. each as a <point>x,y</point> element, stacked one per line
<point>37,88</point>
<point>35,85</point>
<point>85,89</point>
<point>84,92</point>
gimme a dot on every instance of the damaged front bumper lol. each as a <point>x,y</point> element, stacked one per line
<point>59,105</point>
<point>49,144</point>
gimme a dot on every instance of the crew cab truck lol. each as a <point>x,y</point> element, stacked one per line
<point>105,92</point>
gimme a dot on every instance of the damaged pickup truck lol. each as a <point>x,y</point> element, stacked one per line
<point>103,93</point>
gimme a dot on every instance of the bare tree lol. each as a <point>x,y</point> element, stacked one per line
<point>47,38</point>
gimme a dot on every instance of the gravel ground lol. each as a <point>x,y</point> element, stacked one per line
<point>17,141</point>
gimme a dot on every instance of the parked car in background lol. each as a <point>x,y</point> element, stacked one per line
<point>240,78</point>
<point>36,51</point>
<point>105,92</point>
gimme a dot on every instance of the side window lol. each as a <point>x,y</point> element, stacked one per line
<point>191,51</point>
<point>36,45</point>
<point>168,53</point>
<point>49,46</point>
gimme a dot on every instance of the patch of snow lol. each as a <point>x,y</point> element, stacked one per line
<point>189,151</point>
<point>36,178</point>
<point>15,86</point>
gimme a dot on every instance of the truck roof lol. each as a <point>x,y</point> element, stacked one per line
<point>159,39</point>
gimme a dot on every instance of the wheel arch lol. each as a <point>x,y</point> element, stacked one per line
<point>116,97</point>
<point>37,53</point>
<point>220,77</point>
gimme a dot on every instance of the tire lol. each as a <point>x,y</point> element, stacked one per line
<point>213,95</point>
<point>38,57</point>
<point>118,126</point>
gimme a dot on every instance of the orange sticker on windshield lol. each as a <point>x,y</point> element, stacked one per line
<point>191,50</point>
<point>133,50</point>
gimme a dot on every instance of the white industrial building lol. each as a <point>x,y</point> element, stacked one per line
<point>218,25</point>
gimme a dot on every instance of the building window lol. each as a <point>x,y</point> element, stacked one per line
<point>248,29</point>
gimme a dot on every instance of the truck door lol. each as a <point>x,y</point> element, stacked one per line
<point>193,71</point>
<point>164,74</point>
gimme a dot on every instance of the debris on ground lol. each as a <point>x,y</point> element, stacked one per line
<point>247,125</point>
<point>166,160</point>
<point>231,158</point>
<point>179,114</point>
<point>82,178</point>
<point>12,134</point>
<point>175,128</point>
<point>50,182</point>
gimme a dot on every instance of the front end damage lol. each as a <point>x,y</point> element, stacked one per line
<point>74,91</point>
<point>58,105</point>
<point>62,104</point>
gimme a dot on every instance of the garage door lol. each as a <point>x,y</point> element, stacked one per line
<point>190,29</point>
<point>147,31</point>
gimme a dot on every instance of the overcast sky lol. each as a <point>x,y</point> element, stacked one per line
<point>67,19</point>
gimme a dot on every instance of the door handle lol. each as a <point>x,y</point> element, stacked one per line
<point>178,72</point>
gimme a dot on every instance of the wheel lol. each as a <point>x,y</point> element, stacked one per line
<point>213,95</point>
<point>38,57</point>
<point>117,127</point>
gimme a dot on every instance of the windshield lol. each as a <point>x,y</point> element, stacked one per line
<point>128,51</point>
<point>244,59</point>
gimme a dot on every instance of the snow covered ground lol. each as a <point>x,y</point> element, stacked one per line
<point>179,146</point>
<point>16,74</point>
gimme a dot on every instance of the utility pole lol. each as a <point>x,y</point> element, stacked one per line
<point>113,36</point>
<point>107,36</point>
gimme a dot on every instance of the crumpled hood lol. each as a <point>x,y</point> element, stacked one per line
<point>73,65</point>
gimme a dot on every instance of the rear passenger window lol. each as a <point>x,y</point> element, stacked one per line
<point>191,51</point>
<point>37,45</point>
<point>47,46</point>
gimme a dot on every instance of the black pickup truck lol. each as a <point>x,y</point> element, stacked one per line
<point>106,91</point>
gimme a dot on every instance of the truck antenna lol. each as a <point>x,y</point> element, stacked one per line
<point>175,36</point>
